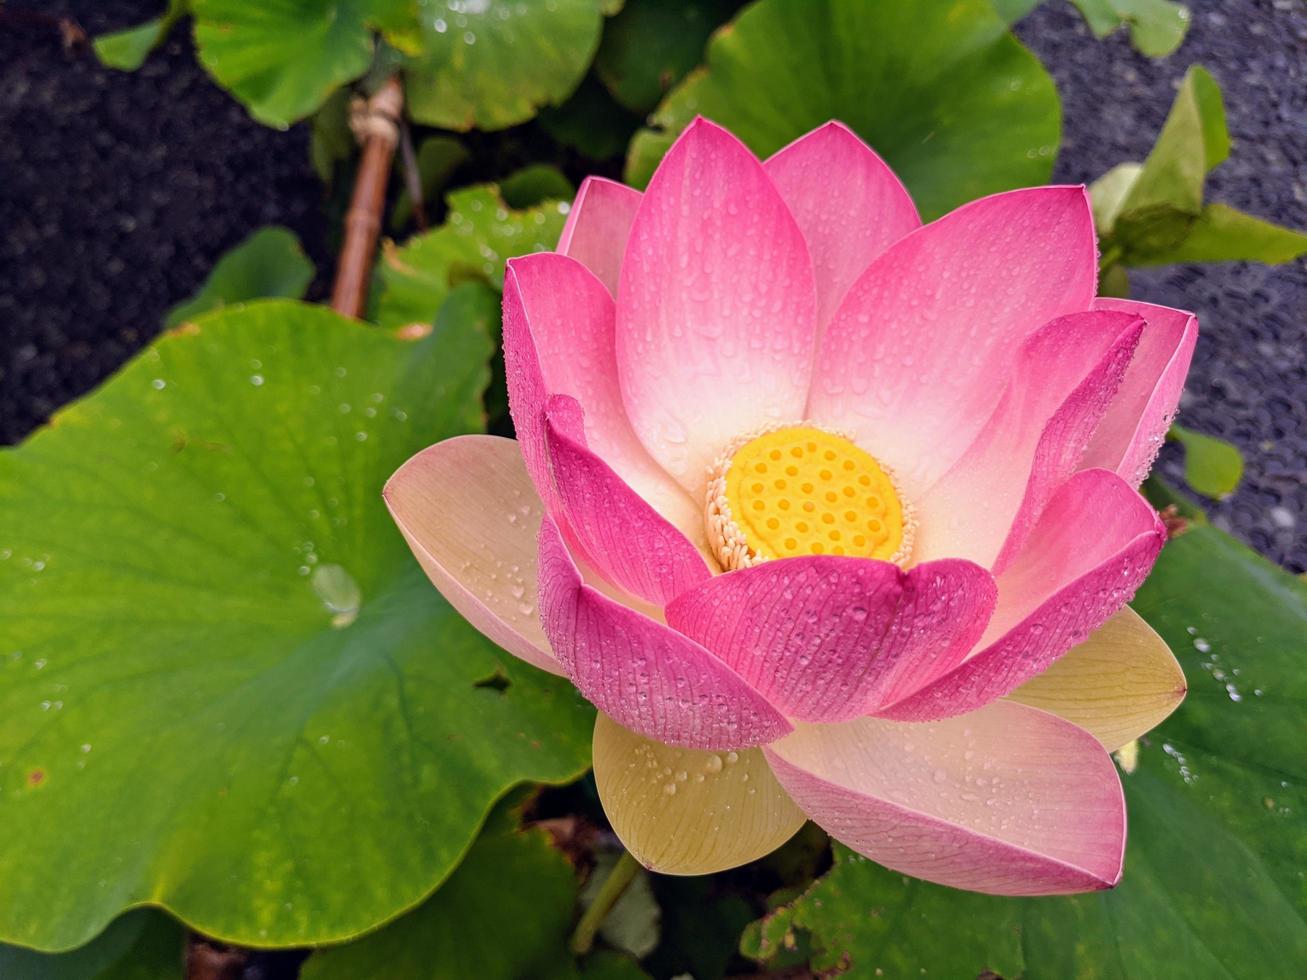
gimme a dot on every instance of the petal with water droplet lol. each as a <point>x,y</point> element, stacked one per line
<point>469,512</point>
<point>1094,545</point>
<point>598,225</point>
<point>826,638</point>
<point>1117,685</point>
<point>718,817</point>
<point>1008,800</point>
<point>1131,433</point>
<point>558,340</point>
<point>846,222</point>
<point>920,349</point>
<point>717,315</point>
<point>626,540</point>
<point>1066,374</point>
<point>648,677</point>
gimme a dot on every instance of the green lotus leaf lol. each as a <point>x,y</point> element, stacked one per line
<point>1213,874</point>
<point>505,913</point>
<point>494,63</point>
<point>1212,466</point>
<point>943,92</point>
<point>127,49</point>
<point>225,686</point>
<point>282,58</point>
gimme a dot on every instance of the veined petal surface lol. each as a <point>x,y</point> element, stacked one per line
<point>689,811</point>
<point>716,319</point>
<point>469,512</point>
<point>1007,800</point>
<point>920,350</point>
<point>648,677</point>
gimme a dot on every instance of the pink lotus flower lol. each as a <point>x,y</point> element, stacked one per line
<point>814,498</point>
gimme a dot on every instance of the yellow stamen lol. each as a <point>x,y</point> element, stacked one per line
<point>800,490</point>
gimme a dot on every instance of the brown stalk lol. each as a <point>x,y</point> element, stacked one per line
<point>376,127</point>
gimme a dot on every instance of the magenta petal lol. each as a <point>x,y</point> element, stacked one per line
<point>1093,546</point>
<point>717,319</point>
<point>558,340</point>
<point>643,675</point>
<point>1008,800</point>
<point>1130,435</point>
<point>848,202</point>
<point>598,226</point>
<point>626,540</point>
<point>1066,375</point>
<point>827,639</point>
<point>921,348</point>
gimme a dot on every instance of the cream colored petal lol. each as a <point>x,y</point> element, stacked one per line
<point>470,514</point>
<point>1117,685</point>
<point>689,811</point>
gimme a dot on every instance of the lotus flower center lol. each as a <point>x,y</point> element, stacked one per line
<point>799,490</point>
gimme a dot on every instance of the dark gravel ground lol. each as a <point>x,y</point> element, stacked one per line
<point>119,191</point>
<point>1249,379</point>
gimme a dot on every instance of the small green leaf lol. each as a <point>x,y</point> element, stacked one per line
<point>1157,27</point>
<point>1212,466</point>
<point>143,944</point>
<point>1222,234</point>
<point>437,158</point>
<point>1213,871</point>
<point>480,234</point>
<point>944,92</point>
<point>1206,94</point>
<point>127,50</point>
<point>1109,192</point>
<point>651,44</point>
<point>269,264</point>
<point>283,59</point>
<point>278,756</point>
<point>536,184</point>
<point>1193,140</point>
<point>495,63</point>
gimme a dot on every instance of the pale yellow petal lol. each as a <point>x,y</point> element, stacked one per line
<point>1117,685</point>
<point>689,811</point>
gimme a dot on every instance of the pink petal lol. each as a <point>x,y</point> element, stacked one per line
<point>647,677</point>
<point>627,541</point>
<point>1130,435</point>
<point>921,348</point>
<point>848,202</point>
<point>716,324</point>
<point>1093,546</point>
<point>558,340</point>
<point>1009,800</point>
<point>1066,375</point>
<point>827,639</point>
<point>469,512</point>
<point>597,227</point>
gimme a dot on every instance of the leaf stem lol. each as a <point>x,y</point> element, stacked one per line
<point>623,873</point>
